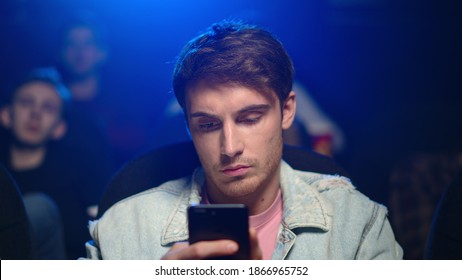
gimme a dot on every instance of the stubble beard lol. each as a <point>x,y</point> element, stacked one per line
<point>256,181</point>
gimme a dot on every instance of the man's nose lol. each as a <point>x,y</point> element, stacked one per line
<point>36,112</point>
<point>231,142</point>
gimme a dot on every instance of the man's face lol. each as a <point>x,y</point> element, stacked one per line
<point>35,113</point>
<point>81,54</point>
<point>237,133</point>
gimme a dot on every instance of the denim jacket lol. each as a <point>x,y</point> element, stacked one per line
<point>324,217</point>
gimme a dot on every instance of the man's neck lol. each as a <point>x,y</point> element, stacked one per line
<point>84,89</point>
<point>257,202</point>
<point>23,158</point>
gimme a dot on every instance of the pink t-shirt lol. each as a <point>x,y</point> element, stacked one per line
<point>266,224</point>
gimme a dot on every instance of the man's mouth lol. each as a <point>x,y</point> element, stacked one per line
<point>236,170</point>
<point>33,128</point>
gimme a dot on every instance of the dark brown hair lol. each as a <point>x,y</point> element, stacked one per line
<point>231,52</point>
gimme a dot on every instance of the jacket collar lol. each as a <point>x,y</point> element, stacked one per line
<point>303,206</point>
<point>176,229</point>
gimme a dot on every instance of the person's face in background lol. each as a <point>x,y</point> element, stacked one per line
<point>81,54</point>
<point>35,114</point>
<point>237,133</point>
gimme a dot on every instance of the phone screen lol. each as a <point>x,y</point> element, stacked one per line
<point>208,222</point>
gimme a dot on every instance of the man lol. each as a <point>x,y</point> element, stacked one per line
<point>34,118</point>
<point>234,83</point>
<point>56,189</point>
<point>82,55</point>
<point>100,103</point>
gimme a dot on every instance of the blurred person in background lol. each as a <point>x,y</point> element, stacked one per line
<point>100,101</point>
<point>56,184</point>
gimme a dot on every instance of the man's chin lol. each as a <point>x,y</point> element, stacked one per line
<point>29,144</point>
<point>239,188</point>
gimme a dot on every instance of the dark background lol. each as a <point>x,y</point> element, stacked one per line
<point>388,72</point>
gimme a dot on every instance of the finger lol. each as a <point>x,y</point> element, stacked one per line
<point>210,249</point>
<point>202,250</point>
<point>174,250</point>
<point>255,251</point>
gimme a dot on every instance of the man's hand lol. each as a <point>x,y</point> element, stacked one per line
<point>209,249</point>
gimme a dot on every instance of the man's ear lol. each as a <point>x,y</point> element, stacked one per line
<point>288,110</point>
<point>5,116</point>
<point>59,130</point>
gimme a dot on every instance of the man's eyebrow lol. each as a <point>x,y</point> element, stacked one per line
<point>256,107</point>
<point>203,114</point>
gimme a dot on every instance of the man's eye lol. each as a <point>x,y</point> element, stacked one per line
<point>50,109</point>
<point>25,102</point>
<point>208,126</point>
<point>250,119</point>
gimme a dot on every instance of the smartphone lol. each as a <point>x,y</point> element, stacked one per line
<point>208,222</point>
